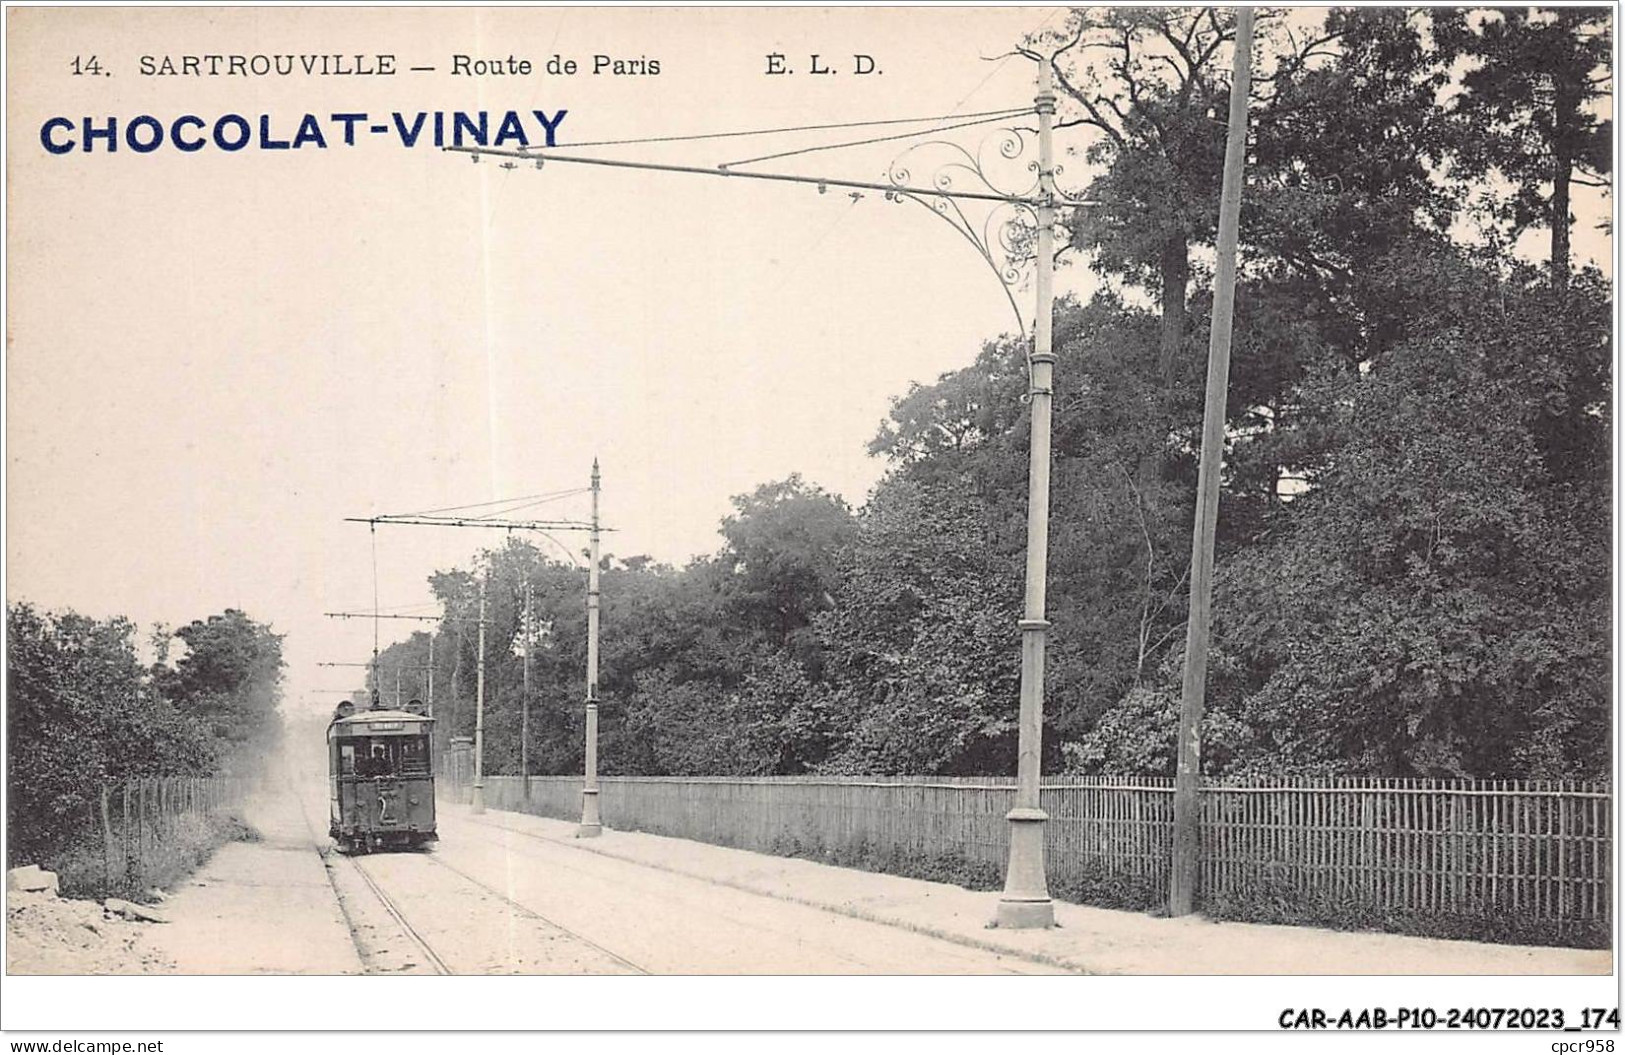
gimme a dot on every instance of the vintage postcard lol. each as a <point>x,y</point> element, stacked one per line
<point>854,501</point>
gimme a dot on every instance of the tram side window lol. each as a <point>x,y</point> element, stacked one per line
<point>415,754</point>
<point>346,760</point>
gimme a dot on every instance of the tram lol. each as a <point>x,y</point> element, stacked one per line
<point>380,779</point>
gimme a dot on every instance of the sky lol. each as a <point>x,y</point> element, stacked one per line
<point>215,357</point>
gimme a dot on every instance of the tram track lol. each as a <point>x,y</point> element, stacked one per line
<point>327,853</point>
<point>401,916</point>
<point>531,913</point>
<point>434,959</point>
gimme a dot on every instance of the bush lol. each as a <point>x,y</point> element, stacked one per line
<point>952,867</point>
<point>1104,889</point>
<point>1276,900</point>
<point>82,867</point>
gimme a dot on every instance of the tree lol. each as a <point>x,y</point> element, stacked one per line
<point>1530,108</point>
<point>773,722</point>
<point>1118,535</point>
<point>229,680</point>
<point>960,427</point>
<point>782,541</point>
<point>1344,203</point>
<point>558,675</point>
<point>80,711</point>
<point>1436,604</point>
<point>1148,80</point>
<point>923,668</point>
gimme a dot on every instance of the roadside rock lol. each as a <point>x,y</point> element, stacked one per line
<point>32,879</point>
<point>130,910</point>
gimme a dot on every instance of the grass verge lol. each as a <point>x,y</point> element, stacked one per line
<point>88,868</point>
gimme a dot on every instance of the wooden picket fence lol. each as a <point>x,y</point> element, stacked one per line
<point>140,823</point>
<point>1541,849</point>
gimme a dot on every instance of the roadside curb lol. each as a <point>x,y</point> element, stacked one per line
<point>837,907</point>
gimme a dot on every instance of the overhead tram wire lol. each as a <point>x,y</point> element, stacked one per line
<point>517,507</point>
<point>875,139</point>
<point>1002,61</point>
<point>991,114</point>
<point>514,509</point>
<point>439,617</point>
<point>404,607</point>
<point>497,518</point>
<point>383,615</point>
<point>434,521</point>
<point>779,177</point>
<point>539,496</point>
<point>804,254</point>
<point>562,547</point>
<point>981,118</point>
<point>543,495</point>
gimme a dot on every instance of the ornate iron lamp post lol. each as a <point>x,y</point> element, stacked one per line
<point>477,801</point>
<point>1017,231</point>
<point>591,825</point>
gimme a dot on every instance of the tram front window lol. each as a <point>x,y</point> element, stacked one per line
<point>376,762</point>
<point>385,756</point>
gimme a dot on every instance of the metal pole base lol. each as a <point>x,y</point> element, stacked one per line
<point>590,827</point>
<point>1026,903</point>
<point>1024,915</point>
<point>478,798</point>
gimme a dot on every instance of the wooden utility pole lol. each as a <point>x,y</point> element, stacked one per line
<point>591,824</point>
<point>479,711</point>
<point>456,683</point>
<point>524,702</point>
<point>430,693</point>
<point>1187,781</point>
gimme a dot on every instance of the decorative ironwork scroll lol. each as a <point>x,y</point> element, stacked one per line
<point>1005,233</point>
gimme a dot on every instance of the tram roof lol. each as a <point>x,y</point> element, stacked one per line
<point>363,722</point>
